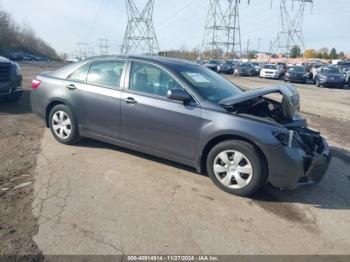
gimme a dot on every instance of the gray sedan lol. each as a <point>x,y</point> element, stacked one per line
<point>186,113</point>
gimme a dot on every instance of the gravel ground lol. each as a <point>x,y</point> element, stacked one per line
<point>20,136</point>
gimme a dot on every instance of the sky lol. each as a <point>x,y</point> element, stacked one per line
<point>178,23</point>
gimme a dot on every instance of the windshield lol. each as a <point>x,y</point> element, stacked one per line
<point>297,69</point>
<point>270,67</point>
<point>244,65</point>
<point>208,84</point>
<point>330,70</point>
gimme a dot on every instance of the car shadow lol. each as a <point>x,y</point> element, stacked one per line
<point>332,193</point>
<point>22,106</point>
<point>90,143</point>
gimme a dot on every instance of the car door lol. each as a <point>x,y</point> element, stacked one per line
<point>94,93</point>
<point>152,121</point>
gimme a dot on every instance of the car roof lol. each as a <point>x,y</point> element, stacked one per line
<point>153,59</point>
<point>162,61</point>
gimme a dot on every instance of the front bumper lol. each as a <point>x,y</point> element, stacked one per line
<point>295,79</point>
<point>290,167</point>
<point>8,88</point>
<point>242,73</point>
<point>330,83</point>
<point>269,75</point>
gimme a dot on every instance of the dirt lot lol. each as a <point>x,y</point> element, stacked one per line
<point>100,199</point>
<point>20,136</point>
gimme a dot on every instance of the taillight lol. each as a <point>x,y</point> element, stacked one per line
<point>36,83</point>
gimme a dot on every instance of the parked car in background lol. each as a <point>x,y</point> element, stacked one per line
<point>72,60</point>
<point>257,67</point>
<point>184,112</point>
<point>283,66</point>
<point>244,69</point>
<point>346,72</point>
<point>330,76</point>
<point>10,80</point>
<point>271,71</point>
<point>345,63</point>
<point>296,74</point>
<point>227,67</point>
<point>313,70</point>
<point>212,65</point>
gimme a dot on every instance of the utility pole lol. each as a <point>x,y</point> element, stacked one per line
<point>248,48</point>
<point>140,35</point>
<point>291,19</point>
<point>259,40</point>
<point>222,34</point>
<point>104,46</point>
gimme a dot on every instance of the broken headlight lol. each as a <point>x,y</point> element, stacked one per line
<point>285,139</point>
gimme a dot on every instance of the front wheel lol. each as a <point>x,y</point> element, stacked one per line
<point>64,125</point>
<point>318,83</point>
<point>237,167</point>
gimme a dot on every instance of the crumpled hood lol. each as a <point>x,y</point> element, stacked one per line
<point>290,102</point>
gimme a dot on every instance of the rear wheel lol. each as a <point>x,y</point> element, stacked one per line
<point>64,125</point>
<point>236,167</point>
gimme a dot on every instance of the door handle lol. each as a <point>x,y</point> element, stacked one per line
<point>71,87</point>
<point>130,100</point>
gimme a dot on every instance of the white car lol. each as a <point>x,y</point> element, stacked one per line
<point>271,71</point>
<point>314,70</point>
<point>72,59</point>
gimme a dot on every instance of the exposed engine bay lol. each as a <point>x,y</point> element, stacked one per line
<point>255,103</point>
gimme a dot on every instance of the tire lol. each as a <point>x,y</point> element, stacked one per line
<point>318,83</point>
<point>54,119</point>
<point>251,160</point>
<point>13,97</point>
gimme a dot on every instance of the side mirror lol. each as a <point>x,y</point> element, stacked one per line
<point>179,95</point>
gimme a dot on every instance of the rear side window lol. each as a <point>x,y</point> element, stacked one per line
<point>106,73</point>
<point>80,75</point>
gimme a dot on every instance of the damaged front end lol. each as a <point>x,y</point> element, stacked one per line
<point>302,155</point>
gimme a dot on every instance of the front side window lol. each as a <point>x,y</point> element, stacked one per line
<point>80,75</point>
<point>149,79</point>
<point>106,73</point>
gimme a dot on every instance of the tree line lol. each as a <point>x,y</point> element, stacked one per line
<point>15,38</point>
<point>322,53</point>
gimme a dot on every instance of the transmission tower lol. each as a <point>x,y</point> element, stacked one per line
<point>82,48</point>
<point>291,32</point>
<point>222,35</point>
<point>104,46</point>
<point>140,36</point>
